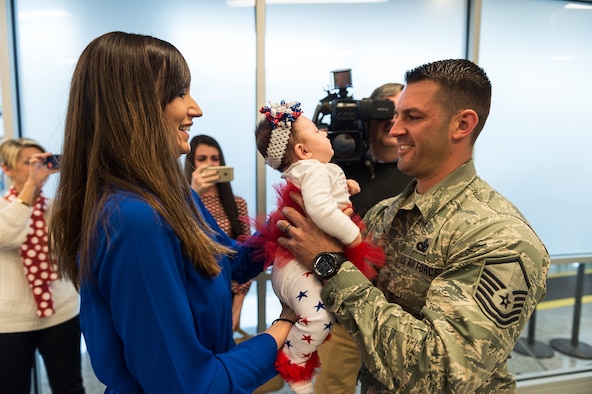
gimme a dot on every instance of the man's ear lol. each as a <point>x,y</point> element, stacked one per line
<point>301,152</point>
<point>465,122</point>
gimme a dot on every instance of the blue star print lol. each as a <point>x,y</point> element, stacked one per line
<point>301,295</point>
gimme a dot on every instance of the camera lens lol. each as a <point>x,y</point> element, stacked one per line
<point>344,146</point>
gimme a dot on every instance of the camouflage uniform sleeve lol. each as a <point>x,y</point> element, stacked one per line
<point>382,330</point>
<point>459,340</point>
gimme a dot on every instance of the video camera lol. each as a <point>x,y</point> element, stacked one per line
<point>346,126</point>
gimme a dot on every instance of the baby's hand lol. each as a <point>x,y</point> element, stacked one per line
<point>353,187</point>
<point>356,242</point>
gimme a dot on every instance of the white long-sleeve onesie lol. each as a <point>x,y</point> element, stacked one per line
<point>325,195</point>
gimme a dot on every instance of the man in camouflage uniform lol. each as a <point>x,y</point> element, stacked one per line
<point>379,178</point>
<point>464,268</point>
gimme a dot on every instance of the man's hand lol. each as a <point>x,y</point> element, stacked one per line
<point>303,238</point>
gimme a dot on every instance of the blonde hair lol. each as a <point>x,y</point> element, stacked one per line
<point>10,149</point>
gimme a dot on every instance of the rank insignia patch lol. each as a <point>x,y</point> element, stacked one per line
<point>501,291</point>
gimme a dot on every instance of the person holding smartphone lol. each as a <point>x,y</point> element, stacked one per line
<point>230,211</point>
<point>38,310</point>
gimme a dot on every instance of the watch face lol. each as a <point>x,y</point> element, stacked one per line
<point>325,265</point>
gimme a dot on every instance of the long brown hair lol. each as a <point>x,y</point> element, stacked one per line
<point>117,138</point>
<point>224,189</point>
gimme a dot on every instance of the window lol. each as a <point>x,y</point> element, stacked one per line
<point>534,147</point>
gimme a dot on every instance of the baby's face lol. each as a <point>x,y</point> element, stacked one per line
<point>316,141</point>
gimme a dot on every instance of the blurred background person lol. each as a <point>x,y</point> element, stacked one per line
<point>379,178</point>
<point>38,310</point>
<point>377,171</point>
<point>230,211</point>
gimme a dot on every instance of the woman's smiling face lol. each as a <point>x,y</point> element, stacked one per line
<point>180,113</point>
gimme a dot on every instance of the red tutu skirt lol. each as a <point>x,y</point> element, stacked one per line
<point>367,256</point>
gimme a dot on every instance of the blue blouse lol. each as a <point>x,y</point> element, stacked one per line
<point>154,324</point>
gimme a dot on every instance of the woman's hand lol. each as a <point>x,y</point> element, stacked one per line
<point>38,171</point>
<point>288,313</point>
<point>303,238</point>
<point>280,330</point>
<point>202,179</point>
<point>38,174</point>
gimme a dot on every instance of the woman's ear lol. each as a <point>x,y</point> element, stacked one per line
<point>6,170</point>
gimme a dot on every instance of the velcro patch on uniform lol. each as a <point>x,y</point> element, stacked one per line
<point>502,290</point>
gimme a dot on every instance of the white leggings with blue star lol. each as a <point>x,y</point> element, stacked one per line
<point>300,290</point>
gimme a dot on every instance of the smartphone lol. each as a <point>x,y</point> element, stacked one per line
<point>53,162</point>
<point>226,173</point>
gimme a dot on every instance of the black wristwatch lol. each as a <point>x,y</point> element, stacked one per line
<point>326,264</point>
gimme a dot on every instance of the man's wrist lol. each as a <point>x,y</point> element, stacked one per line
<point>326,264</point>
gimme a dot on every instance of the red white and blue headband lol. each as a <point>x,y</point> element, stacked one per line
<point>280,116</point>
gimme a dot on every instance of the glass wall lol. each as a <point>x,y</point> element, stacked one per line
<point>218,42</point>
<point>535,145</point>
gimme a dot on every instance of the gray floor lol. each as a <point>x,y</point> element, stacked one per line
<point>551,324</point>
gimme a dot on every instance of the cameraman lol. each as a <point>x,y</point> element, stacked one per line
<point>377,171</point>
<point>379,178</point>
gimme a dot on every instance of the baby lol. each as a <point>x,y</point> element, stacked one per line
<point>293,145</point>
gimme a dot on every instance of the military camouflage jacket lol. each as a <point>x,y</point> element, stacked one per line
<point>464,273</point>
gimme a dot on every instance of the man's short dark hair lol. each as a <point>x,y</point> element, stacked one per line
<point>463,85</point>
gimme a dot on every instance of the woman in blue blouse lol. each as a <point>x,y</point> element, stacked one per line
<point>152,265</point>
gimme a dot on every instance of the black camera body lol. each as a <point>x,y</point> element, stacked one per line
<point>346,126</point>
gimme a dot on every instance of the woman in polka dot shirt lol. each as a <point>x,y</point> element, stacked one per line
<point>228,210</point>
<point>38,310</point>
